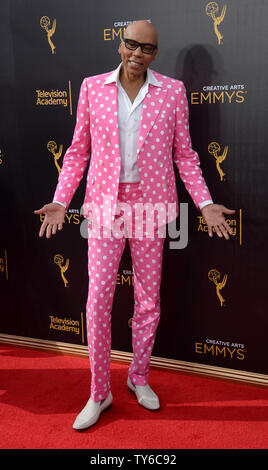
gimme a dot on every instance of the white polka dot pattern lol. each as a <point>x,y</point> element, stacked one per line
<point>163,138</point>
<point>104,255</point>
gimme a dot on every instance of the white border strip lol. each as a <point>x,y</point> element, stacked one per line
<point>171,364</point>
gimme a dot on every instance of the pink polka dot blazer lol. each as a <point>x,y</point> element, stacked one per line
<point>164,138</point>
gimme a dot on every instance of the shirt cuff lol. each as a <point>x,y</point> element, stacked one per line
<point>205,203</point>
<point>61,203</point>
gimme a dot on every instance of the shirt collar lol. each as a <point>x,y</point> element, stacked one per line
<point>150,78</point>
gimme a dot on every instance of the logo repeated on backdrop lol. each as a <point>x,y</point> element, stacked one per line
<point>3,264</point>
<point>214,149</point>
<point>220,94</point>
<point>59,261</point>
<point>55,97</point>
<point>67,325</point>
<point>63,98</point>
<point>125,278</point>
<point>220,349</point>
<point>72,216</point>
<point>52,147</point>
<point>215,277</point>
<point>117,30</point>
<point>236,225</point>
<point>45,23</point>
<point>212,10</point>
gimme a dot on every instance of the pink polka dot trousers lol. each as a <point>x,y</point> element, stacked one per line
<point>104,255</point>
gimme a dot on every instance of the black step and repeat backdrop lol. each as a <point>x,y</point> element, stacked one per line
<point>213,291</point>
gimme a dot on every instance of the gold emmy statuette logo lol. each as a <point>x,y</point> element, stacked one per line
<point>130,322</point>
<point>58,259</point>
<point>52,147</point>
<point>214,276</point>
<point>44,23</point>
<point>212,9</point>
<point>214,149</point>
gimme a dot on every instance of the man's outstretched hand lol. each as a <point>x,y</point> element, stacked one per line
<point>54,218</point>
<point>213,215</point>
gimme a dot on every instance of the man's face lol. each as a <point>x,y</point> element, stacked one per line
<point>136,62</point>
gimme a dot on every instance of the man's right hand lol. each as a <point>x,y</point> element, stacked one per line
<point>54,218</point>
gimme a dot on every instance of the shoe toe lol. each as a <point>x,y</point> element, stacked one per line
<point>91,412</point>
<point>145,395</point>
<point>150,403</point>
<point>86,419</point>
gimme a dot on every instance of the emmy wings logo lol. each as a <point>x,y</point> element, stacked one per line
<point>59,261</point>
<point>212,10</point>
<point>45,24</point>
<point>220,155</point>
<point>52,147</point>
<point>215,277</point>
<point>214,149</point>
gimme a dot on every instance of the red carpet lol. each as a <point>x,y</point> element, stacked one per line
<point>41,394</point>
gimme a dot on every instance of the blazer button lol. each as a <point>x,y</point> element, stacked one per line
<point>101,162</point>
<point>98,185</point>
<point>164,185</point>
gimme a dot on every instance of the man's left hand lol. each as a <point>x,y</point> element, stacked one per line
<point>213,215</point>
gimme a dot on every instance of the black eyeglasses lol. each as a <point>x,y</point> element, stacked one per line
<point>146,47</point>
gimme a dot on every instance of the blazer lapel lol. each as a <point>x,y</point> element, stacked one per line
<point>111,90</point>
<point>151,108</point>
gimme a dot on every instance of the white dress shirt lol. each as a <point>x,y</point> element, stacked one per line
<point>129,115</point>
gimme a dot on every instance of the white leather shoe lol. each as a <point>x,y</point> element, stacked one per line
<point>145,395</point>
<point>91,412</point>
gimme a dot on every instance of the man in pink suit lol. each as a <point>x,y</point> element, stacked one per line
<point>132,124</point>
